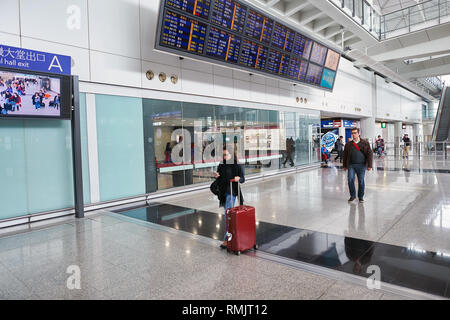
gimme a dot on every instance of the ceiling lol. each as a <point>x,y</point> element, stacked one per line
<point>393,58</point>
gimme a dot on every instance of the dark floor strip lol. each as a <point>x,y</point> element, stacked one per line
<point>415,269</point>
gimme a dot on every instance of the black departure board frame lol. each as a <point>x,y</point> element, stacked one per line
<point>284,70</point>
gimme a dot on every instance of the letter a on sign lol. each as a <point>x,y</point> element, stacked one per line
<point>55,64</point>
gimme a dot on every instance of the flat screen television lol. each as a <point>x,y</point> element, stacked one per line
<point>34,95</point>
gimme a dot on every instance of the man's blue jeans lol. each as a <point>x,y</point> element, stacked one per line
<point>359,170</point>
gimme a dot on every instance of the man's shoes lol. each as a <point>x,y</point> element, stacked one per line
<point>223,246</point>
<point>351,199</point>
<point>361,200</point>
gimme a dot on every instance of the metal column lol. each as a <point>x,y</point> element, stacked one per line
<point>76,150</point>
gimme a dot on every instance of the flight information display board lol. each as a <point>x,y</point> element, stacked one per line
<point>198,8</point>
<point>229,14</point>
<point>233,33</point>
<point>223,45</point>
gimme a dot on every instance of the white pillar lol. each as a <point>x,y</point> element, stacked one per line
<point>368,129</point>
<point>398,134</point>
<point>417,133</point>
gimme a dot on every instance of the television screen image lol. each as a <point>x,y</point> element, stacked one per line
<point>29,95</point>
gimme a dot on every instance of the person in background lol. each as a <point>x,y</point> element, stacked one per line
<point>36,100</point>
<point>226,171</point>
<point>167,153</point>
<point>358,156</point>
<point>339,146</point>
<point>407,146</point>
<point>290,149</point>
<point>325,154</point>
<point>57,101</point>
<point>379,145</point>
<point>15,101</point>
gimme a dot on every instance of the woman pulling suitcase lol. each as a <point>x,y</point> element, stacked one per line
<point>229,170</point>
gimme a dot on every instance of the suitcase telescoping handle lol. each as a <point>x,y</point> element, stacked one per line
<point>231,193</point>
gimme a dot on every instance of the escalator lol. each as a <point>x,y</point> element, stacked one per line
<point>442,122</point>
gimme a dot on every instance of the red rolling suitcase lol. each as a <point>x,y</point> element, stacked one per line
<point>241,227</point>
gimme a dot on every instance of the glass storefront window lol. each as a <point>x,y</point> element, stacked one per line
<point>264,140</point>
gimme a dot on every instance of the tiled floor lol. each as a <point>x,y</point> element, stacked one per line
<point>122,259</point>
<point>119,259</point>
<point>409,209</point>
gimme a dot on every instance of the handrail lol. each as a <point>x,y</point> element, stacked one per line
<point>375,23</point>
<point>406,8</point>
<point>433,7</point>
<point>439,113</point>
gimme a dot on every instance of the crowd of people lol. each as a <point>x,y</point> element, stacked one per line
<point>12,90</point>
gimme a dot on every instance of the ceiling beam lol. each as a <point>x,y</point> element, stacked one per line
<point>295,6</point>
<point>323,24</point>
<point>309,16</point>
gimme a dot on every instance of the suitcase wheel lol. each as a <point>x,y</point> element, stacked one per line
<point>255,247</point>
<point>238,253</point>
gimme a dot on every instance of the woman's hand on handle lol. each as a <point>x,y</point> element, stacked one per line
<point>237,179</point>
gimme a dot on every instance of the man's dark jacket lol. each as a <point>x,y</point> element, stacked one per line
<point>364,145</point>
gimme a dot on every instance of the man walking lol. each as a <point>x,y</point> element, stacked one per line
<point>358,156</point>
<point>339,148</point>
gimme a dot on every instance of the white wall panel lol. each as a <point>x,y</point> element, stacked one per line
<point>240,75</point>
<point>258,92</point>
<point>80,57</point>
<point>114,27</point>
<point>241,90</point>
<point>113,69</point>
<point>62,21</point>
<point>196,65</point>
<point>223,87</point>
<point>197,82</point>
<point>256,78</point>
<point>223,72</point>
<point>9,16</point>
<point>155,83</point>
<point>9,39</point>
<point>273,94</point>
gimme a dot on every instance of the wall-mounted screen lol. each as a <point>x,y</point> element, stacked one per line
<point>314,74</point>
<point>199,8</point>
<point>328,77</point>
<point>229,14</point>
<point>33,95</point>
<point>318,53</point>
<point>235,34</point>
<point>332,61</point>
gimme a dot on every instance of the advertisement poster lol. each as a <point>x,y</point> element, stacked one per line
<point>329,139</point>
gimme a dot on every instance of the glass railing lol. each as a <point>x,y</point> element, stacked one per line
<point>420,16</point>
<point>362,13</point>
<point>417,17</point>
<point>438,150</point>
<point>435,82</point>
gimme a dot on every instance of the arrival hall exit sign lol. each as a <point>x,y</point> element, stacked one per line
<point>31,60</point>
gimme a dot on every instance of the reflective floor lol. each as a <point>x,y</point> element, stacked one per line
<point>403,228</point>
<point>420,270</point>
<point>405,208</point>
<point>119,258</point>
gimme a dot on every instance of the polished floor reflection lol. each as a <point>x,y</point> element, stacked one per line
<point>408,208</point>
<point>408,267</point>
